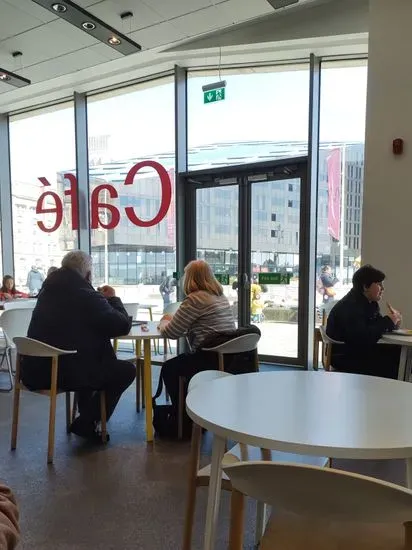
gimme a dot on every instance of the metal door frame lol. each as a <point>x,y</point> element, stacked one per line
<point>190,182</point>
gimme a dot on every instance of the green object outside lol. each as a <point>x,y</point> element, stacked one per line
<point>274,278</point>
<point>223,278</point>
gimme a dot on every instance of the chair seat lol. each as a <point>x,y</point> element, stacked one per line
<point>289,532</point>
<point>254,453</point>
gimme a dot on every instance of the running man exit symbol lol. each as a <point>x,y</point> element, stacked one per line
<point>214,95</point>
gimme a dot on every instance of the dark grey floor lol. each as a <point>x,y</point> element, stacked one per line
<point>127,495</point>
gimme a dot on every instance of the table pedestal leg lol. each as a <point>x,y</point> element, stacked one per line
<point>213,500</point>
<point>147,380</point>
<point>402,363</point>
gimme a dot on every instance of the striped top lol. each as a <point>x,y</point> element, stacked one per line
<point>199,316</point>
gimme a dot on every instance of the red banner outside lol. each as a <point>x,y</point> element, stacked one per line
<point>334,193</point>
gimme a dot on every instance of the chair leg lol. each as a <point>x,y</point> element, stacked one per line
<point>192,485</point>
<point>260,521</point>
<point>138,388</point>
<point>167,396</point>
<point>142,384</point>
<point>181,407</point>
<point>52,426</point>
<point>52,413</point>
<point>103,415</point>
<point>237,512</point>
<point>15,423</point>
<point>68,411</point>
<point>9,371</point>
<point>115,344</point>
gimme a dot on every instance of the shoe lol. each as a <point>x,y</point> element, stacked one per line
<point>87,430</point>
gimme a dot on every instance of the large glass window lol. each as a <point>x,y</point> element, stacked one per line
<point>42,151</point>
<point>341,172</point>
<point>133,238</point>
<point>263,116</point>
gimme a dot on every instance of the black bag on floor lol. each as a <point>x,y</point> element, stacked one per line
<point>165,418</point>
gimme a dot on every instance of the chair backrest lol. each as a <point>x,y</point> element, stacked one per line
<point>327,339</point>
<point>20,304</point>
<point>15,322</point>
<point>246,342</point>
<point>132,310</point>
<point>35,348</point>
<point>323,493</point>
<point>206,376</point>
<point>172,308</point>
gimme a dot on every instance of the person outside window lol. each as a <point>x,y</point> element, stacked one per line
<point>35,280</point>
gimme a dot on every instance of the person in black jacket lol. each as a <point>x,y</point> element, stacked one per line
<point>356,320</point>
<point>71,315</point>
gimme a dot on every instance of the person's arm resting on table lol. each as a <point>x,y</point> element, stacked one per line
<point>177,326</point>
<point>9,519</point>
<point>108,312</point>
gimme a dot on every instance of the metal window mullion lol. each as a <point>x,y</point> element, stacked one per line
<point>309,214</point>
<point>82,171</point>
<point>7,247</point>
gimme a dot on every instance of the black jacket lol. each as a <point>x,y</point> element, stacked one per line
<point>70,314</point>
<point>359,323</point>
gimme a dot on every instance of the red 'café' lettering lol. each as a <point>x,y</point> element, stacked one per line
<point>96,205</point>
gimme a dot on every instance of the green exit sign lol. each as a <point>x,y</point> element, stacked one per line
<point>176,275</point>
<point>223,278</point>
<point>274,278</point>
<point>214,95</point>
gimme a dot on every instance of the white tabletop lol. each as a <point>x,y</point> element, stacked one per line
<point>325,414</point>
<point>398,339</point>
<point>137,332</point>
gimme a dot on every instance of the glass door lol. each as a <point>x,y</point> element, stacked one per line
<point>246,222</point>
<point>274,264</point>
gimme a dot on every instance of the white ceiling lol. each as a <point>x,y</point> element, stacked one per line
<point>52,47</point>
<point>59,58</point>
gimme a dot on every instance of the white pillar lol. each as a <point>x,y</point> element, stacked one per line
<point>387,206</point>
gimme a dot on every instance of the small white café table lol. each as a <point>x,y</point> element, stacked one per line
<point>405,342</point>
<point>137,335</point>
<point>337,415</point>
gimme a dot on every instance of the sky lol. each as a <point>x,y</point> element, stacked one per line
<point>258,106</point>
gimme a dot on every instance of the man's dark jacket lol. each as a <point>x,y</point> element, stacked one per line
<point>359,323</point>
<point>71,315</point>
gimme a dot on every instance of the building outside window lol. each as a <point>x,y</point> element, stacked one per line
<point>42,148</point>
<point>341,170</point>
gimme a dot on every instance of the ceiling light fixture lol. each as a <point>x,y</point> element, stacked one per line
<point>88,26</point>
<point>93,26</point>
<point>13,79</point>
<point>114,41</point>
<point>59,8</point>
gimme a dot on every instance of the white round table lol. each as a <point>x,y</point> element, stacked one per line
<point>405,342</point>
<point>325,414</point>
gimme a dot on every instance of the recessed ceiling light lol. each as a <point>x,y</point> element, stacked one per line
<point>4,77</point>
<point>114,41</point>
<point>13,79</point>
<point>88,26</point>
<point>59,8</point>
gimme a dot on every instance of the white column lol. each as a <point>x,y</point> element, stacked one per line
<point>387,206</point>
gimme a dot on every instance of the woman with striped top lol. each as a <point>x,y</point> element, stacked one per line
<point>204,312</point>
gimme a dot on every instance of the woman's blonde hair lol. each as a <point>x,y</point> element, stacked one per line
<point>199,276</point>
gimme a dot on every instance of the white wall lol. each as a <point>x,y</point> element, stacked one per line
<point>387,213</point>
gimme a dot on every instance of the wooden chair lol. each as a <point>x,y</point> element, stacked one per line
<point>327,348</point>
<point>321,509</point>
<point>317,340</point>
<point>34,348</point>
<point>201,477</point>
<point>242,344</point>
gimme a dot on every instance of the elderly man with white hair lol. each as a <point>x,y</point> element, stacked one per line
<point>71,314</point>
